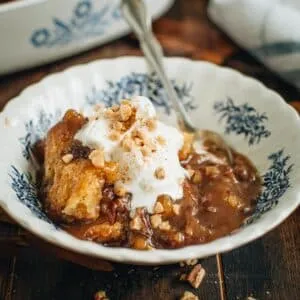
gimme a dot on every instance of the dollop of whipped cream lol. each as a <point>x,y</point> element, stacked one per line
<point>146,153</point>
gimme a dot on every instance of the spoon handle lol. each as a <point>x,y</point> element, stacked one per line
<point>135,13</point>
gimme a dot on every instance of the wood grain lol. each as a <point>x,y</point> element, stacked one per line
<point>266,269</point>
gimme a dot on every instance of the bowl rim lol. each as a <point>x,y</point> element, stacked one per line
<point>156,256</point>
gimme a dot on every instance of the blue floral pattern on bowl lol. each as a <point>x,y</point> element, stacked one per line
<point>85,21</point>
<point>142,84</point>
<point>243,120</point>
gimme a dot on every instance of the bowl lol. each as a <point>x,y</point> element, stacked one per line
<point>35,32</point>
<point>252,118</point>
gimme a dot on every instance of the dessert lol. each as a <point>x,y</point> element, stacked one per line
<point>123,178</point>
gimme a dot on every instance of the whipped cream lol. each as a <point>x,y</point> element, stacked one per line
<point>140,171</point>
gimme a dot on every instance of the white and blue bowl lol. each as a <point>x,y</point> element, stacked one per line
<point>252,118</point>
<point>35,32</point>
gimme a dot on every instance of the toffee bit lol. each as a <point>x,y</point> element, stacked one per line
<point>160,173</point>
<point>67,158</point>
<point>100,295</point>
<point>196,276</point>
<point>97,158</point>
<point>156,221</point>
<point>158,208</point>
<point>189,296</point>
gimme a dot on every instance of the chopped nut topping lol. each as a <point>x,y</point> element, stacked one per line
<point>101,295</point>
<point>118,126</point>
<point>156,221</point>
<point>127,144</point>
<point>125,112</point>
<point>189,262</point>
<point>158,208</point>
<point>160,173</point>
<point>146,151</point>
<point>197,177</point>
<point>161,140</point>
<point>136,223</point>
<point>151,124</point>
<point>191,172</point>
<point>196,276</point>
<point>165,225</point>
<point>176,209</point>
<point>212,171</point>
<point>67,158</point>
<point>97,158</point>
<point>187,146</point>
<point>179,237</point>
<point>119,189</point>
<point>115,108</point>
<point>211,209</point>
<point>114,135</point>
<point>188,296</point>
<point>233,200</point>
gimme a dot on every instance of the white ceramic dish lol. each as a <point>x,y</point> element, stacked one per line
<point>34,32</point>
<point>254,119</point>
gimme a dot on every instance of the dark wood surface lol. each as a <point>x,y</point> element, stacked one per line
<point>265,269</point>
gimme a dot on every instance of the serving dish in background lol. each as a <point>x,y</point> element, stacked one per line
<point>219,99</point>
<point>35,32</point>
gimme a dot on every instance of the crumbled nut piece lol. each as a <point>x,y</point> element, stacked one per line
<point>192,262</point>
<point>67,158</point>
<point>188,296</point>
<point>165,225</point>
<point>151,124</point>
<point>191,172</point>
<point>188,230</point>
<point>146,151</point>
<point>156,221</point>
<point>125,112</point>
<point>118,126</point>
<point>127,144</point>
<point>197,177</point>
<point>119,189</point>
<point>212,171</point>
<point>101,295</point>
<point>160,173</point>
<point>167,203</point>
<point>182,276</point>
<point>233,200</point>
<point>161,140</point>
<point>196,276</point>
<point>97,158</point>
<point>115,108</point>
<point>141,243</point>
<point>114,135</point>
<point>189,262</point>
<point>179,237</point>
<point>110,114</point>
<point>187,146</point>
<point>176,209</point>
<point>211,209</point>
<point>136,223</point>
<point>158,208</point>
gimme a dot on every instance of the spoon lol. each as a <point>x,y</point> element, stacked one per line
<point>136,15</point>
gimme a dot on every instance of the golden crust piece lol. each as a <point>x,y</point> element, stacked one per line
<point>72,190</point>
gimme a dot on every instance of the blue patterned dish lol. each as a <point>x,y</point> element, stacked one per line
<point>255,120</point>
<point>47,30</point>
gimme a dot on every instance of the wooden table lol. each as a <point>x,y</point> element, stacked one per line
<point>265,269</point>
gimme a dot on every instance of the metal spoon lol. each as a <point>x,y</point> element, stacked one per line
<point>135,13</point>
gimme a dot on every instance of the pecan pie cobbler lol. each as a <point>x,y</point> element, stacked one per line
<point>123,178</point>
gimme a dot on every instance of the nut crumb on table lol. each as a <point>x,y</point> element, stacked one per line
<point>101,295</point>
<point>189,296</point>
